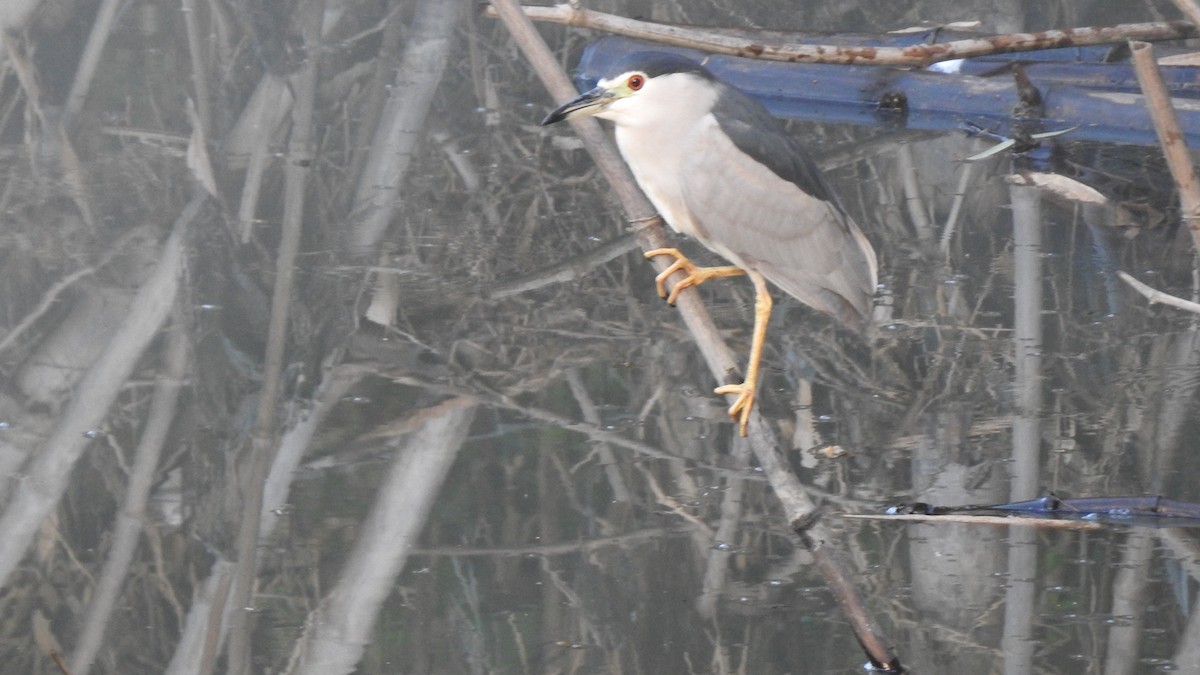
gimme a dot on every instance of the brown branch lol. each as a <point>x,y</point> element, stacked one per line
<point>915,55</point>
<point>1174,144</point>
<point>798,506</point>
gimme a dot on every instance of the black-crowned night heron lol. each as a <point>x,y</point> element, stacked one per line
<point>720,168</point>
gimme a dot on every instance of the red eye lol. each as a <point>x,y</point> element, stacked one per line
<point>636,82</point>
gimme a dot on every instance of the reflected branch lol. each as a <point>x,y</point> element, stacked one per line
<point>163,407</point>
<point>395,139</point>
<point>1153,295</point>
<point>616,482</point>
<point>1027,342</point>
<point>1124,645</point>
<point>297,440</point>
<point>1166,125</point>
<point>337,632</point>
<point>38,495</point>
<point>90,61</point>
<point>264,440</point>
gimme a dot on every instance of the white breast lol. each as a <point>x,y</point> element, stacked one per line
<point>655,134</point>
<point>656,169</point>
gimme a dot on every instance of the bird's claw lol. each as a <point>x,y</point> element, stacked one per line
<point>740,410</point>
<point>695,275</point>
<point>681,263</point>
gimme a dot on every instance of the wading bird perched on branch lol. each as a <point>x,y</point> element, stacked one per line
<point>720,168</point>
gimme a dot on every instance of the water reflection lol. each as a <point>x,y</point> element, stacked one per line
<point>491,447</point>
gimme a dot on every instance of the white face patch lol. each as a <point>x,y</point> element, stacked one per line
<point>640,101</point>
<point>623,87</point>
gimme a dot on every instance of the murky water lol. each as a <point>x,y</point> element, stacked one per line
<point>288,391</point>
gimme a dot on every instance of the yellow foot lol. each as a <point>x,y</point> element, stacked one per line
<point>695,275</point>
<point>740,410</point>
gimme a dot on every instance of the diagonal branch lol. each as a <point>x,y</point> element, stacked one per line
<point>799,508</point>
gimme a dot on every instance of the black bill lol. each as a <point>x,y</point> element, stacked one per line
<point>587,103</point>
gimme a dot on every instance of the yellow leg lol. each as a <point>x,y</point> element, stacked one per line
<point>695,275</point>
<point>747,390</point>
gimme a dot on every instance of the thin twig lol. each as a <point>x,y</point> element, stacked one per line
<point>587,407</point>
<point>566,270</point>
<point>47,301</point>
<point>379,25</point>
<point>627,540</point>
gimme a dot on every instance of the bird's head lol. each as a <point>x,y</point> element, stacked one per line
<point>642,87</point>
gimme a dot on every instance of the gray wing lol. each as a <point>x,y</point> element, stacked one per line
<point>798,239</point>
<point>758,134</point>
